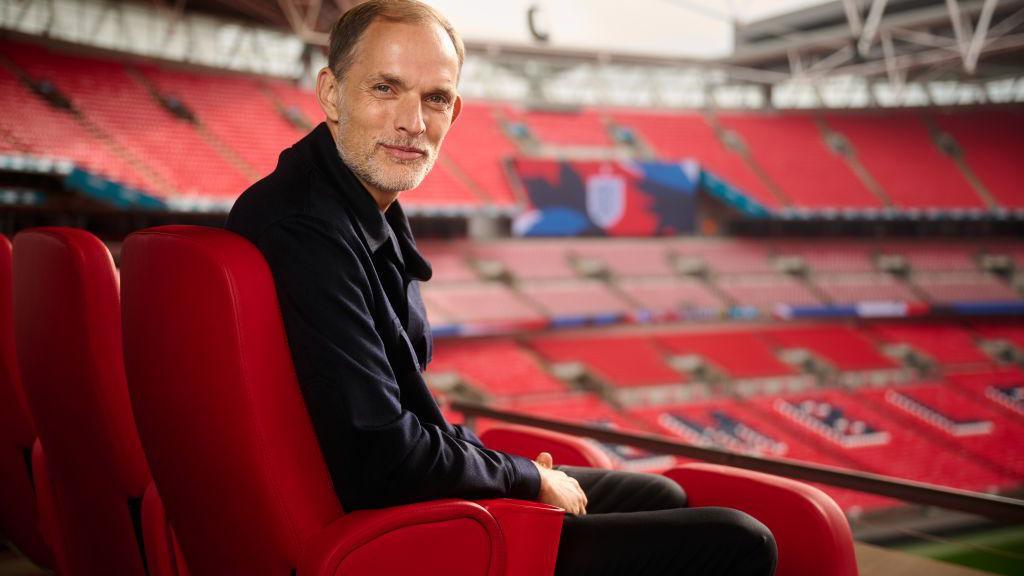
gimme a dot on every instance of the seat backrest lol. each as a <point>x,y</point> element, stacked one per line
<point>68,335</point>
<point>17,433</point>
<point>217,403</point>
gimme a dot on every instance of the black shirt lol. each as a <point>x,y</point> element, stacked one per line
<point>347,280</point>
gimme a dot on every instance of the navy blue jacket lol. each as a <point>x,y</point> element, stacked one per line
<point>347,279</point>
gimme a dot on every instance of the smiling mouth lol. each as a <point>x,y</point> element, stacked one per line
<point>404,152</point>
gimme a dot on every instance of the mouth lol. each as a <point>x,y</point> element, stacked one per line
<point>404,152</point>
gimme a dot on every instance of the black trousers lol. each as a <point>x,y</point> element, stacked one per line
<point>638,524</point>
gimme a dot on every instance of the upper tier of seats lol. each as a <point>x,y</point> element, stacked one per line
<point>911,160</point>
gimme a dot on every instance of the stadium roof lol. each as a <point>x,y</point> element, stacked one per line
<point>900,39</point>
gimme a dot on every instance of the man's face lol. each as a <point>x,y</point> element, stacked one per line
<point>396,103</point>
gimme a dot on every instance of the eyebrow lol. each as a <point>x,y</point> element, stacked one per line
<point>401,84</point>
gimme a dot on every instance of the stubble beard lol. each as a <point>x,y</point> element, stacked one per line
<point>388,175</point>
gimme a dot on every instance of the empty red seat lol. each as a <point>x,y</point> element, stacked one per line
<point>91,473</point>
<point>233,450</point>
<point>809,527</point>
<point>18,521</point>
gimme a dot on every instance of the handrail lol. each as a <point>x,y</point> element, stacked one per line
<point>988,505</point>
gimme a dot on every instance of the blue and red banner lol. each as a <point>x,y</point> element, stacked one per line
<point>607,198</point>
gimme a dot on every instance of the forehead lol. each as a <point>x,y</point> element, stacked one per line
<point>423,50</point>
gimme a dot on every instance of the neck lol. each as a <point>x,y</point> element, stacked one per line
<point>383,199</point>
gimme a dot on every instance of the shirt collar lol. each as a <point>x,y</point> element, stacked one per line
<point>377,228</point>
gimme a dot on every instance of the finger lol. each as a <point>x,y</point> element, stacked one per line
<point>544,459</point>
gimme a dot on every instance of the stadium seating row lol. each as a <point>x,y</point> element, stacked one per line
<point>181,132</point>
<point>222,428</point>
<point>668,356</point>
<point>568,282</point>
<point>941,432</point>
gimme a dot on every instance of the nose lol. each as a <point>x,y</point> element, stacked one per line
<point>409,116</point>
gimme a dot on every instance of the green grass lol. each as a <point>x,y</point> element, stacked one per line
<point>999,551</point>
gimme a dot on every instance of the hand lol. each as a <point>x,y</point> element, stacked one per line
<point>559,489</point>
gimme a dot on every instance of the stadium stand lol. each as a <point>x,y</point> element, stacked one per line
<point>520,373</point>
<point>990,143</point>
<point>844,347</point>
<point>478,302</point>
<point>234,108</point>
<point>795,155</point>
<point>765,292</point>
<point>842,288</point>
<point>477,145</point>
<point>106,94</point>
<point>626,257</point>
<point>668,297</point>
<point>738,427</point>
<point>627,361</point>
<point>950,287</point>
<point>444,187</point>
<point>934,256</point>
<point>841,422</point>
<point>964,415</point>
<point>830,255</point>
<point>471,172</point>
<point>1001,387</point>
<point>726,256</point>
<point>958,420</point>
<point>898,151</point>
<point>569,301</point>
<point>300,103</point>
<point>448,261</point>
<point>945,343</point>
<point>719,348</point>
<point>1010,331</point>
<point>526,260</point>
<point>582,128</point>
<point>677,136</point>
<point>32,126</point>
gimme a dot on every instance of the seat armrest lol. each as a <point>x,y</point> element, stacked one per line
<point>532,531</point>
<point>810,529</point>
<point>430,538</point>
<point>528,442</point>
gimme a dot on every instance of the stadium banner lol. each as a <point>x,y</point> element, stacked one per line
<point>606,198</point>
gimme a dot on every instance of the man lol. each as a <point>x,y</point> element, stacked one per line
<point>347,272</point>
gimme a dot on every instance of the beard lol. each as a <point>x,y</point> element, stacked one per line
<point>376,168</point>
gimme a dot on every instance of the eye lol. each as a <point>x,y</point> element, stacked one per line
<point>438,99</point>
<point>382,88</point>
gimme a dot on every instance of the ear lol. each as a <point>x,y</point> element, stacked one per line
<point>327,88</point>
<point>456,109</point>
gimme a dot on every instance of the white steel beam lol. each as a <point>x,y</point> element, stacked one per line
<point>853,17</point>
<point>978,39</point>
<point>867,37</point>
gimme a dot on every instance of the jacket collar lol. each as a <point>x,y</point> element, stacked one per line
<point>378,229</point>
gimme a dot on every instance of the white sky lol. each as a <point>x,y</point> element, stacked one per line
<point>689,28</point>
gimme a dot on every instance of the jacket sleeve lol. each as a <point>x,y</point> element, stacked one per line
<point>378,453</point>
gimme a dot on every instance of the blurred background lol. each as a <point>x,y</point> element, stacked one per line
<point>784,228</point>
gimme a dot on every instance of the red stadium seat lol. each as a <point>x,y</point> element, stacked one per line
<point>564,449</point>
<point>809,527</point>
<point>18,521</point>
<point>230,442</point>
<point>90,471</point>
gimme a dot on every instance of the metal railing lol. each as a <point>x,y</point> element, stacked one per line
<point>991,506</point>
